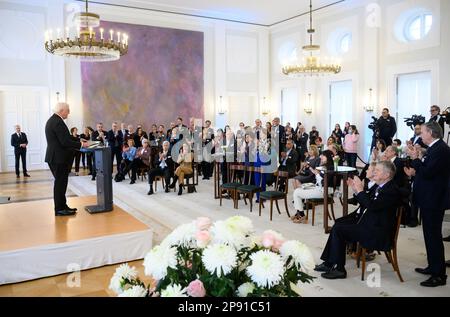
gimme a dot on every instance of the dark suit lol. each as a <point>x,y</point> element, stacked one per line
<point>388,128</point>
<point>60,147</point>
<point>115,142</point>
<point>418,141</point>
<point>439,119</point>
<point>301,142</point>
<point>290,166</point>
<point>167,171</point>
<point>430,194</point>
<point>280,137</point>
<point>373,230</point>
<point>20,152</point>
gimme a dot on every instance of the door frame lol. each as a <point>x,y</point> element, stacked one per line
<point>45,109</point>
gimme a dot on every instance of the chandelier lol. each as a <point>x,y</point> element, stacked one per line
<point>82,41</point>
<point>312,63</point>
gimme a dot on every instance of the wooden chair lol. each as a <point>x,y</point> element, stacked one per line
<point>249,190</point>
<point>317,202</point>
<point>231,187</point>
<point>391,254</point>
<point>155,182</point>
<point>276,195</point>
<point>142,172</point>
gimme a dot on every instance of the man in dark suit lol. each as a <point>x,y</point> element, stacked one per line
<point>435,113</point>
<point>278,134</point>
<point>430,194</point>
<point>60,147</point>
<point>115,142</point>
<point>98,135</point>
<point>374,227</point>
<point>164,167</point>
<point>416,139</point>
<point>20,142</point>
<point>288,163</point>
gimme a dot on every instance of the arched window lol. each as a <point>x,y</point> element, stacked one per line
<point>344,43</point>
<point>418,26</point>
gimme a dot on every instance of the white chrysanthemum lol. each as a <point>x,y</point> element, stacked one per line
<point>124,271</point>
<point>158,260</point>
<point>174,290</point>
<point>245,289</point>
<point>219,258</point>
<point>183,235</point>
<point>300,253</point>
<point>135,291</point>
<point>267,268</point>
<point>241,223</point>
<point>234,231</point>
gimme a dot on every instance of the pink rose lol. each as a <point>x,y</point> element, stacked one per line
<point>272,240</point>
<point>203,238</point>
<point>196,289</point>
<point>203,223</point>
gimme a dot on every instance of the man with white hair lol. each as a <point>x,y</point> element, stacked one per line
<point>60,147</point>
<point>374,227</point>
<point>164,167</point>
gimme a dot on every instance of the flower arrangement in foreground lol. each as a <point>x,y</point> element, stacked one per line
<point>221,259</point>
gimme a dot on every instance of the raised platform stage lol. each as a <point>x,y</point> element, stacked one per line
<point>34,243</point>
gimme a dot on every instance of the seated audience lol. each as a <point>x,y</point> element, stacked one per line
<point>374,228</point>
<point>164,167</point>
<point>128,154</point>
<point>141,159</point>
<point>306,176</point>
<point>316,192</point>
<point>185,167</point>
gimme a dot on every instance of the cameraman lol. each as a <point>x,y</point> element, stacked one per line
<point>435,116</point>
<point>387,127</point>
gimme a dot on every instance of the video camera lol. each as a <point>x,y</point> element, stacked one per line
<point>374,125</point>
<point>414,120</point>
<point>446,115</point>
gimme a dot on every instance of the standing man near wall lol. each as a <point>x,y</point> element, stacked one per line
<point>60,147</point>
<point>430,193</point>
<point>20,142</point>
<point>387,127</point>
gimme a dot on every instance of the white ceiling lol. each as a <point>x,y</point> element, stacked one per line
<point>265,12</point>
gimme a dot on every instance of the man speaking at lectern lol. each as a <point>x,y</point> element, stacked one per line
<point>60,148</point>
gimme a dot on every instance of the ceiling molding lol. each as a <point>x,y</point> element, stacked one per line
<point>335,2</point>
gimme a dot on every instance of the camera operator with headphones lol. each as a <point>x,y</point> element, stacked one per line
<point>387,127</point>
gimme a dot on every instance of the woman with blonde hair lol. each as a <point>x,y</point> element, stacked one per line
<point>185,162</point>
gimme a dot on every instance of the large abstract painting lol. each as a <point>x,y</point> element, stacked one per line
<point>159,79</point>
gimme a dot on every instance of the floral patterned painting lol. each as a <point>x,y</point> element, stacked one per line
<point>160,78</point>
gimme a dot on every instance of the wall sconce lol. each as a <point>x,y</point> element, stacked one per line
<point>221,108</point>
<point>265,107</point>
<point>370,107</point>
<point>57,96</point>
<point>308,108</point>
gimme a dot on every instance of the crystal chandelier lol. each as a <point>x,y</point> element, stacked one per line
<point>312,64</point>
<point>83,43</point>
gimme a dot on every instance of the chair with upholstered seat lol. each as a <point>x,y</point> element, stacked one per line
<point>281,178</point>
<point>232,186</point>
<point>391,253</point>
<point>248,189</point>
<point>313,203</point>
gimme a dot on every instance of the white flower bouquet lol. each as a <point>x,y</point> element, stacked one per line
<point>221,259</point>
